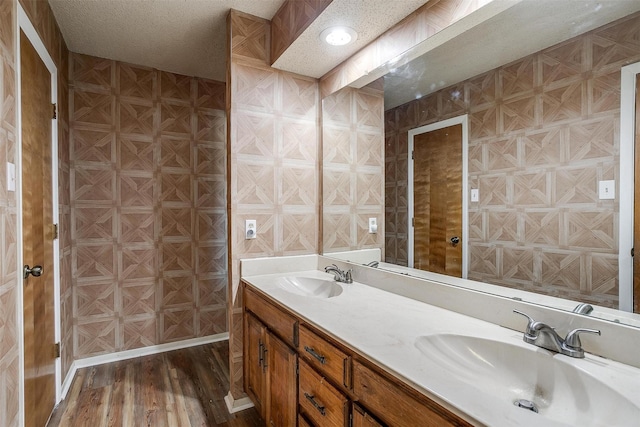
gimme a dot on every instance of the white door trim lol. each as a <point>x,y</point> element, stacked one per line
<point>29,30</point>
<point>460,120</point>
<point>627,135</point>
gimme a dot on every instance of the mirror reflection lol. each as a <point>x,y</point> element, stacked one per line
<point>540,201</point>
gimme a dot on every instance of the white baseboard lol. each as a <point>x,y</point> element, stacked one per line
<point>131,354</point>
<point>237,405</point>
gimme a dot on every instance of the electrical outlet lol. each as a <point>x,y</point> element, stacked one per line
<point>250,229</point>
<point>373,225</point>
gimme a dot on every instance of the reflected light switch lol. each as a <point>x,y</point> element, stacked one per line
<point>475,195</point>
<point>607,190</point>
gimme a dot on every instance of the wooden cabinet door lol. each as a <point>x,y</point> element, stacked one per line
<point>255,367</point>
<point>283,383</point>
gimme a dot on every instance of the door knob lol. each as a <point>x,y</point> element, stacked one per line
<point>455,240</point>
<point>36,271</point>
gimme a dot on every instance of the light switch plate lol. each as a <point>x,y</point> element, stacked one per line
<point>607,190</point>
<point>475,195</point>
<point>11,176</point>
<point>250,229</point>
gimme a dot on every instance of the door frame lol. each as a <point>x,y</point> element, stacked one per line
<point>25,25</point>
<point>627,153</point>
<point>459,120</point>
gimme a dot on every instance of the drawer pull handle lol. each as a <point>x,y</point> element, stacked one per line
<point>312,352</point>
<point>315,404</point>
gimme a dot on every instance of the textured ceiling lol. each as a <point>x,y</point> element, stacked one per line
<point>182,36</point>
<point>369,18</point>
<point>189,36</point>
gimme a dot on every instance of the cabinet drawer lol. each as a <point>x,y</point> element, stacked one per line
<point>276,320</point>
<point>322,403</point>
<point>325,357</point>
<point>302,422</point>
<point>394,406</point>
<point>362,419</point>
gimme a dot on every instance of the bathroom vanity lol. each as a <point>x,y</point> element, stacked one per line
<point>318,352</point>
<point>334,381</point>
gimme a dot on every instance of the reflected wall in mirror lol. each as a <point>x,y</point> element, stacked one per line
<point>544,130</point>
<point>353,168</point>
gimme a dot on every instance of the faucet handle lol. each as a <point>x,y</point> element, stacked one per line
<point>573,338</point>
<point>530,326</point>
<point>348,278</point>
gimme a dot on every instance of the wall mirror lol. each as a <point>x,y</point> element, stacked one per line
<point>547,182</point>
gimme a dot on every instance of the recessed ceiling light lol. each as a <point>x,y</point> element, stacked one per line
<point>339,36</point>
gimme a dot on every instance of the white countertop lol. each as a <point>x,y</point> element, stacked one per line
<point>384,326</point>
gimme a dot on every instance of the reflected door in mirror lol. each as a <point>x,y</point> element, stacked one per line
<point>437,195</point>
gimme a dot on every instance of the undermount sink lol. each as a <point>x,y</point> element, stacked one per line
<point>310,286</point>
<point>515,374</point>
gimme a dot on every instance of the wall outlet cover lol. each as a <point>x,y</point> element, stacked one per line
<point>373,225</point>
<point>250,229</point>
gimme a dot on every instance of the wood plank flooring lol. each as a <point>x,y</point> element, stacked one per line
<point>181,388</point>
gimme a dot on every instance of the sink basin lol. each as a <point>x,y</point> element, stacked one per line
<point>310,287</point>
<point>559,389</point>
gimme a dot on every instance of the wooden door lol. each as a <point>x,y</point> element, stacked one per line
<point>636,203</point>
<point>283,383</point>
<point>437,200</point>
<point>255,383</point>
<point>38,235</point>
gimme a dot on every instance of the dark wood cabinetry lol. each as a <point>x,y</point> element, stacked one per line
<point>363,419</point>
<point>321,402</point>
<point>271,378</point>
<point>298,375</point>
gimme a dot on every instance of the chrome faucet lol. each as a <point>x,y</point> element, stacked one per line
<point>583,308</point>
<point>339,275</point>
<point>544,336</point>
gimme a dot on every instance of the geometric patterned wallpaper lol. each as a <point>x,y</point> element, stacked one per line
<point>273,158</point>
<point>543,131</point>
<point>352,170</point>
<point>148,206</point>
<point>41,16</point>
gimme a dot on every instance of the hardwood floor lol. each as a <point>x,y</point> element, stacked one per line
<point>176,389</point>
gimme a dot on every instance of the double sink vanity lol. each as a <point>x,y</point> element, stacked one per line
<point>388,349</point>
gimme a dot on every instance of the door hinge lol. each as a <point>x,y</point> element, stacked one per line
<point>56,350</point>
<point>55,231</point>
<point>413,222</point>
<point>55,110</point>
<point>632,251</point>
<point>413,155</point>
